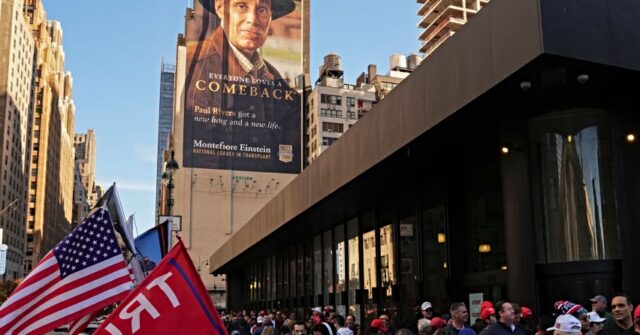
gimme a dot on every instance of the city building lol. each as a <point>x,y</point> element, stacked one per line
<point>16,69</point>
<point>334,106</point>
<point>81,206</point>
<point>165,121</point>
<point>400,66</point>
<point>88,195</point>
<point>51,181</point>
<point>504,167</point>
<point>440,19</point>
<point>214,203</point>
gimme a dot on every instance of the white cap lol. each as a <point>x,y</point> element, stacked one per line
<point>594,317</point>
<point>425,305</point>
<point>260,319</point>
<point>317,309</point>
<point>567,323</point>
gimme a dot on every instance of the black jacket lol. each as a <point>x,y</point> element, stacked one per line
<point>500,328</point>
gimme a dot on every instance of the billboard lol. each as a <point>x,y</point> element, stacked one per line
<point>242,105</point>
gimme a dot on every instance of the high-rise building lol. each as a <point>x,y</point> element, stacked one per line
<point>51,179</point>
<point>334,106</point>
<point>212,194</point>
<point>165,119</point>
<point>441,19</point>
<point>85,146</point>
<point>16,69</point>
<point>86,193</point>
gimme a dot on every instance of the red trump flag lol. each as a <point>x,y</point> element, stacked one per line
<point>171,300</point>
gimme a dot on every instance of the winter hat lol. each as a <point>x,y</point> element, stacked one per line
<point>568,307</point>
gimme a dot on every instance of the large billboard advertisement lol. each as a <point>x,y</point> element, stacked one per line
<point>242,105</point>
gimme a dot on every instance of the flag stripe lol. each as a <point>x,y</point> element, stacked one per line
<point>78,277</point>
<point>57,301</point>
<point>40,277</point>
<point>108,296</point>
<point>84,273</point>
<point>197,296</point>
<point>81,324</point>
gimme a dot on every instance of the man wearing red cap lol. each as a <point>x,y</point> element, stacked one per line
<point>636,323</point>
<point>505,324</point>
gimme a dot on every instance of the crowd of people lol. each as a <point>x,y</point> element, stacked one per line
<point>501,318</point>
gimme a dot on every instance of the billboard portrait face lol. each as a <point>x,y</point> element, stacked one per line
<point>246,23</point>
<point>242,105</point>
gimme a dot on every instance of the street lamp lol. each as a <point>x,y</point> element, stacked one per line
<point>171,167</point>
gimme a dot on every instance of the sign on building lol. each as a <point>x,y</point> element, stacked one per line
<point>242,105</point>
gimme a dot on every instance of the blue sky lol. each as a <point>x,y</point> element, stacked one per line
<point>114,51</point>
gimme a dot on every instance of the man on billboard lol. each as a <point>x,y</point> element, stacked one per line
<point>246,114</point>
<point>244,27</point>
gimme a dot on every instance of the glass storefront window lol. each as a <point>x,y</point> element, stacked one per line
<point>387,255</point>
<point>353,266</point>
<point>369,275</point>
<point>435,239</point>
<point>317,268</point>
<point>574,165</point>
<point>308,272</point>
<point>299,274</point>
<point>341,273</point>
<point>327,249</point>
<point>409,268</point>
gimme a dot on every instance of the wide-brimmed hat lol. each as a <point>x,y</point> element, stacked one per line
<point>279,8</point>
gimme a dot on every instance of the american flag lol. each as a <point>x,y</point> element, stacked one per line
<point>82,274</point>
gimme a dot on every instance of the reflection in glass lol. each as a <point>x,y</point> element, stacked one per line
<point>387,266</point>
<point>353,261</point>
<point>369,259</point>
<point>341,275</point>
<point>317,268</point>
<point>328,265</point>
<point>577,181</point>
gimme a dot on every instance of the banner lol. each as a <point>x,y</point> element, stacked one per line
<point>171,300</point>
<point>242,107</point>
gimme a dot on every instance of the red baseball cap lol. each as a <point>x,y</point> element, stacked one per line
<point>486,304</point>
<point>438,323</point>
<point>526,312</point>
<point>487,312</point>
<point>636,312</point>
<point>380,324</point>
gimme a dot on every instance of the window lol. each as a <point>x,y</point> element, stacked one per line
<point>330,112</point>
<point>331,99</point>
<point>352,115</point>
<point>332,127</point>
<point>326,141</point>
<point>351,102</point>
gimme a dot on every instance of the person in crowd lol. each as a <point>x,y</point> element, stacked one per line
<point>487,318</point>
<point>636,323</point>
<point>339,323</point>
<point>384,315</point>
<point>442,331</point>
<point>299,328</point>
<point>596,323</point>
<point>424,326</point>
<point>378,327</point>
<point>426,309</point>
<point>505,324</point>
<point>566,324</point>
<point>459,317</point>
<point>599,305</point>
<point>545,323</point>
<point>316,316</point>
<point>621,308</point>
<point>324,328</point>
<point>579,312</point>
<point>526,319</point>
<point>349,321</point>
